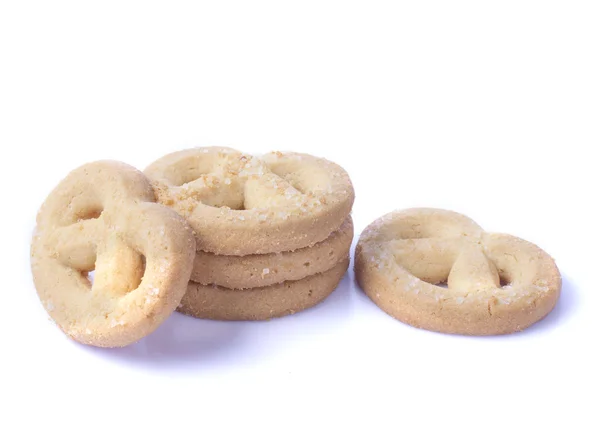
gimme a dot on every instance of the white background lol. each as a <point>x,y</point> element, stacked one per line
<point>487,108</point>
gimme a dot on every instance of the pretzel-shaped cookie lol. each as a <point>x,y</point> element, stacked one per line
<point>101,217</point>
<point>240,205</point>
<point>496,283</point>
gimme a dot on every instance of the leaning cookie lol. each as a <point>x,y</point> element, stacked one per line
<point>258,270</point>
<point>218,303</point>
<point>102,217</point>
<point>496,283</point>
<point>238,204</point>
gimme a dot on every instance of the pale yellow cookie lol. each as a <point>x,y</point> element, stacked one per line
<point>102,217</point>
<point>258,270</point>
<point>238,204</point>
<point>496,283</point>
<point>218,303</point>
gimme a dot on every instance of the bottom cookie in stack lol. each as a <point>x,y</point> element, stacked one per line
<point>219,303</point>
<point>260,287</point>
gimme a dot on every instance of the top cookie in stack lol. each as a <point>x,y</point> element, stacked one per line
<point>273,232</point>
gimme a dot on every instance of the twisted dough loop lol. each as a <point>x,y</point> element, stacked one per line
<point>496,283</point>
<point>101,217</point>
<point>239,204</point>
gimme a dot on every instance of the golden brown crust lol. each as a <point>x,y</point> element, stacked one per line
<point>258,270</point>
<point>240,205</point>
<point>101,217</point>
<point>218,303</point>
<point>403,255</point>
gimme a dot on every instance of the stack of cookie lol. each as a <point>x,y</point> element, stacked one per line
<point>273,233</point>
<point>236,237</point>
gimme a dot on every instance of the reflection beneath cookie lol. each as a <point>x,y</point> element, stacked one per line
<point>188,343</point>
<point>180,339</point>
<point>565,308</point>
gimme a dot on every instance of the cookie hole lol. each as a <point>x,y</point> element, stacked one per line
<point>90,276</point>
<point>310,291</point>
<point>141,271</point>
<point>189,169</point>
<point>233,201</point>
<point>189,176</point>
<point>238,207</point>
<point>131,277</point>
<point>125,277</point>
<point>307,264</point>
<point>87,269</point>
<point>504,281</point>
<point>93,213</point>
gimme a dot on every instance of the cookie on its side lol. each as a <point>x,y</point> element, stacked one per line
<point>102,217</point>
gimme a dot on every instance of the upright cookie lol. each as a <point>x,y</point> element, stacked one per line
<point>218,303</point>
<point>258,270</point>
<point>238,204</point>
<point>102,217</point>
<point>496,283</point>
